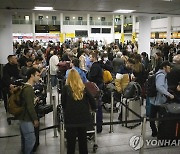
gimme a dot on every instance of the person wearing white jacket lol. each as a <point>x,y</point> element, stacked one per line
<point>54,60</point>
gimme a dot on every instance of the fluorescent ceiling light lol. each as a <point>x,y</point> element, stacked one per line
<point>124,11</point>
<point>43,8</point>
<point>168,0</point>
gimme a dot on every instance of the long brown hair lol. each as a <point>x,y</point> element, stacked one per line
<point>75,82</point>
<point>138,67</point>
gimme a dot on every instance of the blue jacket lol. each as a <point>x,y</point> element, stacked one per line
<point>81,73</point>
<point>162,89</point>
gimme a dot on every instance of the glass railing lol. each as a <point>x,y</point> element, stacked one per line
<point>19,21</point>
<point>47,22</point>
<point>54,22</point>
<point>157,17</point>
<point>104,23</point>
<point>66,22</point>
<point>74,22</point>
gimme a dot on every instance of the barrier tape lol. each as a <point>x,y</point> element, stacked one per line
<point>47,128</point>
<point>104,123</point>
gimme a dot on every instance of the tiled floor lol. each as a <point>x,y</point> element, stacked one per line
<point>108,143</point>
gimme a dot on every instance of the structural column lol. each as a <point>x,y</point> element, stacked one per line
<point>6,38</point>
<point>169,24</point>
<point>122,28</point>
<point>62,34</point>
<point>144,34</point>
<point>134,23</point>
<point>88,24</point>
<point>33,26</point>
<point>133,29</point>
<point>113,29</point>
<point>61,22</point>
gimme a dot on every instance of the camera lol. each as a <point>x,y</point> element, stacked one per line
<point>18,82</point>
<point>40,106</point>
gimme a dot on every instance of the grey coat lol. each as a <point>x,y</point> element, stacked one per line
<point>162,89</point>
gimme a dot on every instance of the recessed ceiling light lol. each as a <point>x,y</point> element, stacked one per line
<point>124,11</point>
<point>74,17</point>
<point>168,0</point>
<point>43,8</point>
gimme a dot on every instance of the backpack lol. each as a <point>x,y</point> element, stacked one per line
<point>133,90</point>
<point>63,65</point>
<point>151,85</point>
<point>93,89</point>
<point>107,77</point>
<point>14,102</point>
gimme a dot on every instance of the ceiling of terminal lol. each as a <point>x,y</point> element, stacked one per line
<point>171,7</point>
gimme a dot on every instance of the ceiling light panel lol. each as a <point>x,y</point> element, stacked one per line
<point>124,11</point>
<point>43,8</point>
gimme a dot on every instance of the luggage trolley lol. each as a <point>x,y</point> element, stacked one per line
<point>91,133</point>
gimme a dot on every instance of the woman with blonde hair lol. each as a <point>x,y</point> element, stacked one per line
<point>76,103</point>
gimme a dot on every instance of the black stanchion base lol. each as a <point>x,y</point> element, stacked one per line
<point>95,147</point>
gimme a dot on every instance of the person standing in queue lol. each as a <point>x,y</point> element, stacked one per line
<point>28,118</point>
<point>76,103</point>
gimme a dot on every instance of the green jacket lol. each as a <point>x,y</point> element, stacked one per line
<point>27,99</point>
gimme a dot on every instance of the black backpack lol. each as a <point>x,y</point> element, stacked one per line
<point>133,90</point>
<point>151,90</point>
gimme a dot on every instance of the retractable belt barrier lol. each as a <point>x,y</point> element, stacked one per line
<point>109,123</point>
<point>104,123</point>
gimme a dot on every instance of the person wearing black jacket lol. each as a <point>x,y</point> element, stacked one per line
<point>24,58</point>
<point>10,74</point>
<point>174,76</point>
<point>76,103</point>
<point>96,72</point>
<point>105,63</point>
<point>96,75</point>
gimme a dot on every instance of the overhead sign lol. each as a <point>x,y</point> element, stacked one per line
<point>41,29</point>
<point>54,28</point>
<point>46,28</point>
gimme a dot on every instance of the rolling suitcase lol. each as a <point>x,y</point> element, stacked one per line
<point>169,129</point>
<point>135,105</point>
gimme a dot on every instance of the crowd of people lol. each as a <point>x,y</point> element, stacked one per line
<point>88,60</point>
